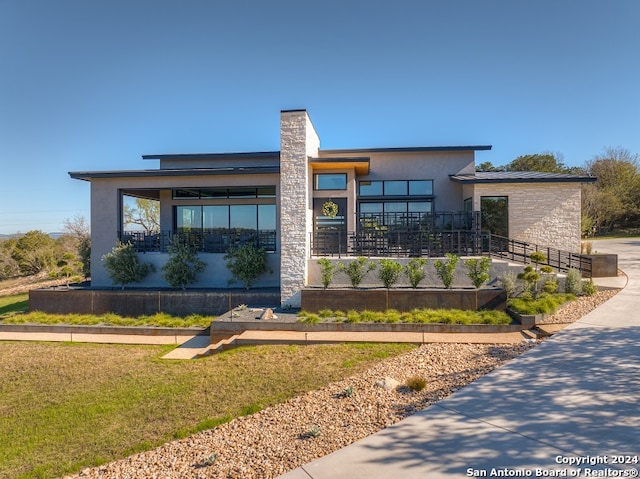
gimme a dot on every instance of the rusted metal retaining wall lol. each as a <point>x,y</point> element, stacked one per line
<point>402,299</point>
<point>138,303</point>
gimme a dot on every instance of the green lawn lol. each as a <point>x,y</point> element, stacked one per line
<point>16,303</point>
<point>64,407</point>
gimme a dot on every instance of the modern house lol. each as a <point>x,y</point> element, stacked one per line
<point>302,202</point>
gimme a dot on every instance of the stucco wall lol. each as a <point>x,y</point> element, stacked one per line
<point>546,214</point>
<point>419,165</point>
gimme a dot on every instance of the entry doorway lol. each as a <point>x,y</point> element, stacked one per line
<point>330,226</point>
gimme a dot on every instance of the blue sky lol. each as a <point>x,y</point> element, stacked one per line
<point>93,85</point>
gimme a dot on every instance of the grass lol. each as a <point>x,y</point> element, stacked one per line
<point>424,316</point>
<point>17,303</point>
<point>58,418</point>
<point>547,304</point>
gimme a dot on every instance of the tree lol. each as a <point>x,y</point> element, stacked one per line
<point>389,272</point>
<point>123,266</point>
<point>78,228</point>
<point>414,270</point>
<point>615,197</point>
<point>446,269</point>
<point>68,266</point>
<point>246,263</point>
<point>357,269</point>
<point>183,264</point>
<point>35,252</point>
<point>544,162</point>
<point>146,214</point>
<point>478,270</point>
<point>487,166</point>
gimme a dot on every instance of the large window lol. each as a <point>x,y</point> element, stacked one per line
<point>495,215</point>
<point>330,181</point>
<point>224,193</point>
<point>396,188</point>
<point>394,202</point>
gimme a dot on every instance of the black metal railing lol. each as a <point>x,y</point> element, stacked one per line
<point>439,221</point>
<point>202,241</point>
<point>519,251</point>
<point>396,243</point>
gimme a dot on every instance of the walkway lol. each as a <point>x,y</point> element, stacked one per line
<point>574,397</point>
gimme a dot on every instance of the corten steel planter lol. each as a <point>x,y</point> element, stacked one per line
<point>402,299</point>
<point>603,265</point>
<point>140,302</point>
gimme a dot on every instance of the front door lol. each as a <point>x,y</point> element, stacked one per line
<point>329,226</point>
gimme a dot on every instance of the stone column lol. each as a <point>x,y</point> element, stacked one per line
<point>298,142</point>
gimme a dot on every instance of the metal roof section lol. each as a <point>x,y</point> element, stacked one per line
<point>240,170</point>
<point>520,177</point>
<point>410,149</point>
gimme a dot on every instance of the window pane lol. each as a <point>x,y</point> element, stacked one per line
<point>396,207</point>
<point>370,188</point>
<point>216,218</point>
<point>181,194</point>
<point>267,217</point>
<point>188,217</point>
<point>331,181</point>
<point>242,192</point>
<point>267,192</point>
<point>214,192</point>
<point>243,217</point>
<point>420,187</point>
<point>420,206</point>
<point>370,207</point>
<point>395,188</point>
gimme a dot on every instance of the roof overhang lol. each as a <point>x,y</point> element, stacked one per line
<point>243,170</point>
<point>411,149</point>
<point>520,177</point>
<point>360,165</point>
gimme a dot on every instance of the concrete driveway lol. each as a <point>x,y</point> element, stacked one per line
<point>568,408</point>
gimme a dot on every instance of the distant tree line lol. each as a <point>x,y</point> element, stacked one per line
<point>612,202</point>
<point>36,253</point>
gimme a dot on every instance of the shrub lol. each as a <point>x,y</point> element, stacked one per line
<point>416,383</point>
<point>537,257</point>
<point>573,282</point>
<point>123,266</point>
<point>414,270</point>
<point>478,270</point>
<point>389,273</point>
<point>509,283</point>
<point>183,264</point>
<point>589,287</point>
<point>550,286</point>
<point>357,269</point>
<point>531,277</point>
<point>547,304</point>
<point>327,270</point>
<point>246,263</point>
<point>446,269</point>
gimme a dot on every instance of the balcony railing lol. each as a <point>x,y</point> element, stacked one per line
<point>202,241</point>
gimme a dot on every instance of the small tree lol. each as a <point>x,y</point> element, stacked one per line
<point>327,270</point>
<point>123,266</point>
<point>357,269</point>
<point>478,270</point>
<point>414,270</point>
<point>183,264</point>
<point>446,269</point>
<point>389,273</point>
<point>68,266</point>
<point>246,263</point>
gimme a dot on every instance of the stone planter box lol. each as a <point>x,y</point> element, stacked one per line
<point>603,265</point>
<point>402,299</point>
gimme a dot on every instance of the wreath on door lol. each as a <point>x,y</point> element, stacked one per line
<point>330,209</point>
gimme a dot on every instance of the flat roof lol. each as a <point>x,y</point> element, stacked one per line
<point>520,177</point>
<point>240,170</point>
<point>410,149</point>
<point>213,156</point>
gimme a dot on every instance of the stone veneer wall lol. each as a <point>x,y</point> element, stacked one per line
<point>298,142</point>
<point>547,214</point>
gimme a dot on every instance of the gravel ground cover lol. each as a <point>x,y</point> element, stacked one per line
<point>283,437</point>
